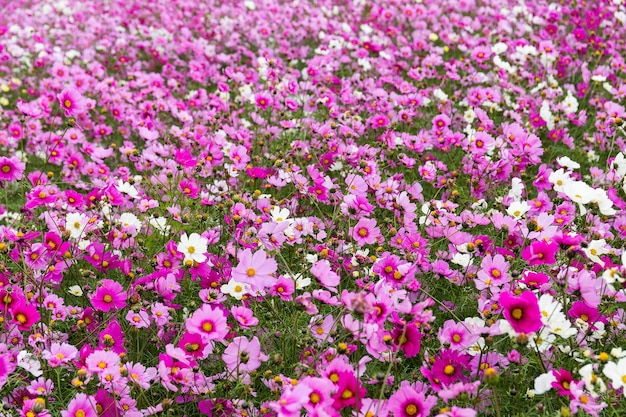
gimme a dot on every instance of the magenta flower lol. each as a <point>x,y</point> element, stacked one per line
<point>112,338</point>
<point>24,315</point>
<point>209,323</point>
<point>350,391</point>
<point>408,338</point>
<point>284,288</point>
<point>407,402</point>
<point>365,232</point>
<point>449,367</point>
<point>193,345</point>
<point>7,365</point>
<point>521,312</point>
<point>540,252</point>
<point>109,295</point>
<point>72,102</point>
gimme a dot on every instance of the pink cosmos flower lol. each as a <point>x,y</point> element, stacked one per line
<point>291,401</point>
<point>139,319</point>
<point>493,272</point>
<point>101,360</point>
<point>81,405</point>
<point>7,365</point>
<point>522,313</point>
<point>320,396</point>
<point>209,323</point>
<point>244,316</point>
<point>407,402</point>
<point>255,269</point>
<point>457,335</point>
<point>263,100</point>
<point>11,169</point>
<point>243,355</point>
<point>72,102</point>
<point>189,188</point>
<point>365,232</point>
<point>580,399</point>
<point>139,374</point>
<point>109,295</point>
<point>60,354</point>
<point>284,288</point>
<point>324,273</point>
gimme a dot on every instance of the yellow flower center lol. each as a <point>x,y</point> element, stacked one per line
<point>448,370</point>
<point>347,394</point>
<point>207,326</point>
<point>410,409</point>
<point>107,298</point>
<point>251,272</point>
<point>517,313</point>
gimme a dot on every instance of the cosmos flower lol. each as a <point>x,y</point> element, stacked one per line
<point>72,102</point>
<point>521,312</point>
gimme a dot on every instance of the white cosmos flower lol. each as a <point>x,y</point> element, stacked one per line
<point>160,224</point>
<point>75,290</point>
<point>76,223</point>
<point>127,188</point>
<point>301,281</point>
<point>543,383</point>
<point>517,189</point>
<point>235,289</point>
<point>595,249</point>
<point>129,219</point>
<point>193,247</point>
<point>558,179</point>
<point>462,259</point>
<point>517,209</point>
<point>546,114</point>
<point>570,104</point>
<point>566,162</point>
<point>591,380</point>
<point>601,198</point>
<point>280,215</point>
<point>580,193</point>
<point>616,372</point>
<point>26,360</point>
<point>619,165</point>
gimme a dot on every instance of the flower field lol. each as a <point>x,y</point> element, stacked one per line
<point>326,208</point>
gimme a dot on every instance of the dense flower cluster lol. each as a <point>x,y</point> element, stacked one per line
<point>322,208</point>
